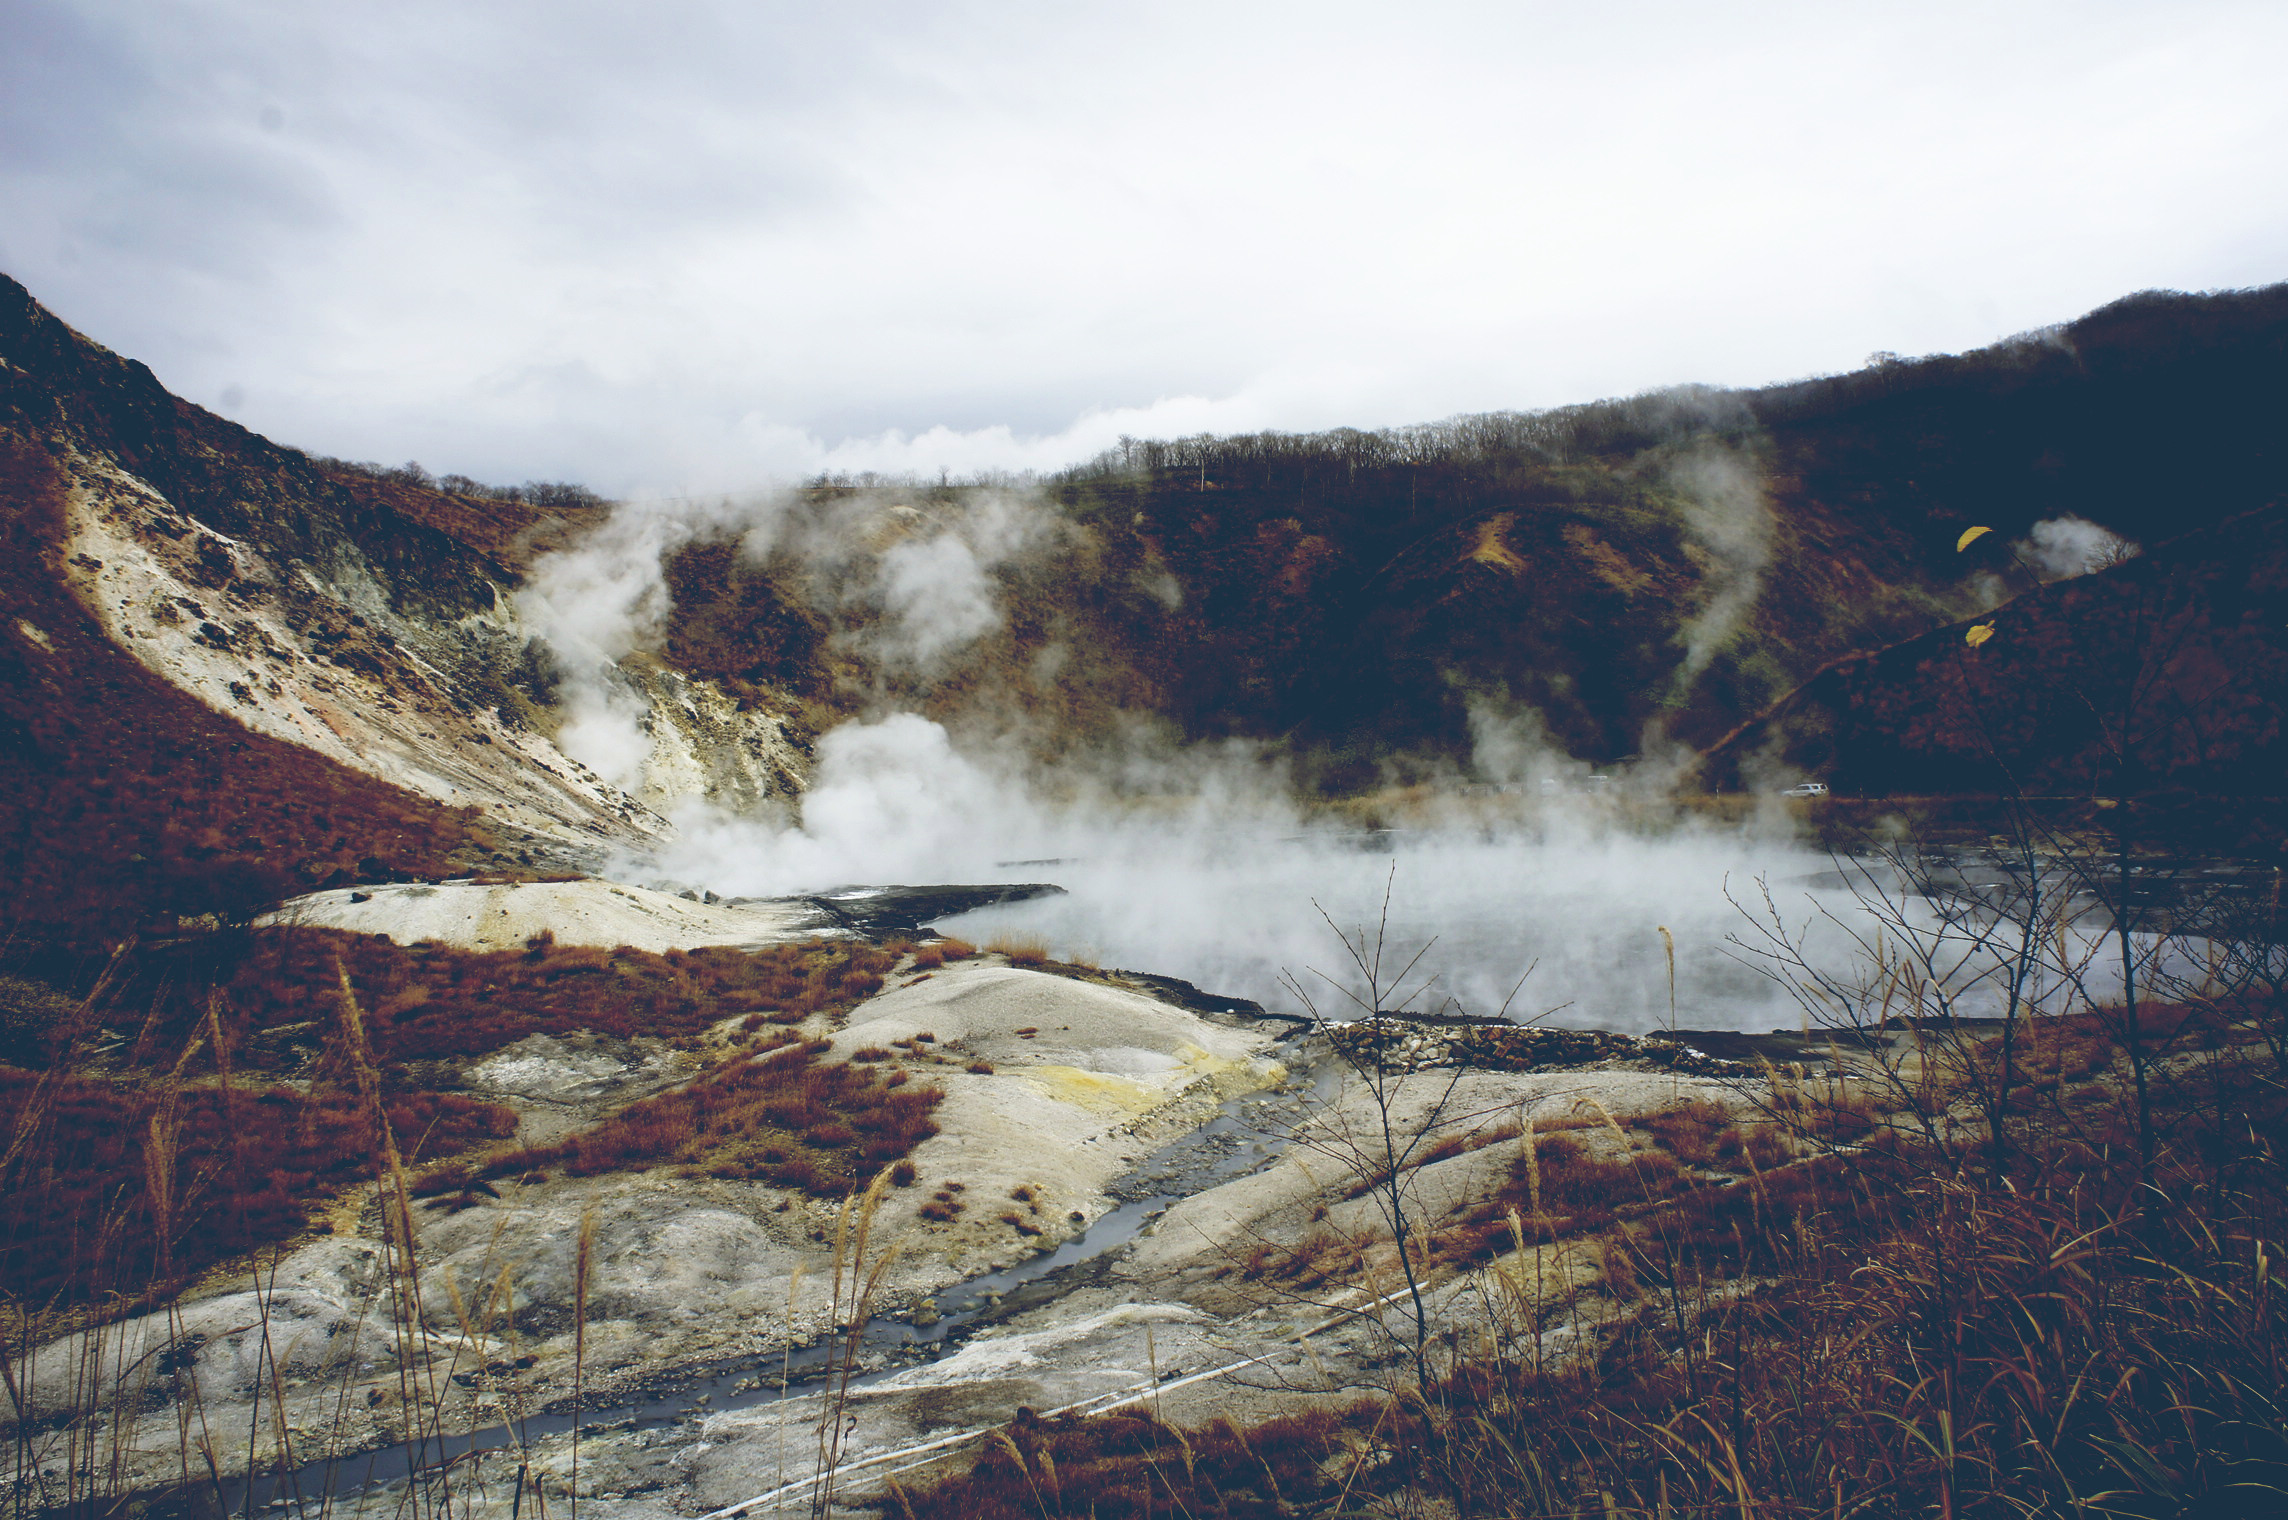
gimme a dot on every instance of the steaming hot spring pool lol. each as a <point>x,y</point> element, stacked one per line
<point>1247,901</point>
<point>1585,915</point>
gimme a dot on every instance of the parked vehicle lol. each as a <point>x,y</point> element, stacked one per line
<point>1806,789</point>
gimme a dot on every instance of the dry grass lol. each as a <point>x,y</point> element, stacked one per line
<point>240,1163</point>
<point>945,1205</point>
<point>936,953</point>
<point>1840,1339</point>
<point>130,800</point>
<point>778,1115</point>
<point>429,1001</point>
<point>1809,1314</point>
<point>240,1166</point>
<point>1019,949</point>
<point>1131,1464</point>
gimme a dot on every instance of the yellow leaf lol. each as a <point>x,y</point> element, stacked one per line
<point>1978,635</point>
<point>1969,536</point>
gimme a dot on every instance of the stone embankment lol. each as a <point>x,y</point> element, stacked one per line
<point>1395,1042</point>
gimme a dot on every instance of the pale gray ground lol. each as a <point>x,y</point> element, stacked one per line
<point>503,917</point>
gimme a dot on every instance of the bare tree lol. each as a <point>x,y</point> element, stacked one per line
<point>1936,977</point>
<point>1409,1113</point>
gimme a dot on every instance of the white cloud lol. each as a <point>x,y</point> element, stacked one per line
<point>696,245</point>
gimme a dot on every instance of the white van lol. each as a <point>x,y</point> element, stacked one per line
<point>1806,789</point>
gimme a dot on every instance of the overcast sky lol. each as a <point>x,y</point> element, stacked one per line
<point>688,246</point>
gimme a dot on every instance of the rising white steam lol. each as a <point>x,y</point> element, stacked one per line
<point>605,598</point>
<point>1510,746</point>
<point>912,588</point>
<point>891,801</point>
<point>1194,861</point>
<point>1729,528</point>
<point>1198,863</point>
<point>934,589</point>
<point>2063,547</point>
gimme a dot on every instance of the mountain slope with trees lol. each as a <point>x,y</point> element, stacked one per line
<point>1647,575</point>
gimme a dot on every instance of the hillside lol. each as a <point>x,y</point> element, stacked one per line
<point>1645,576</point>
<point>1358,587</point>
<point>2167,673</point>
<point>1637,573</point>
<point>236,672</point>
<point>405,1158</point>
<point>129,798</point>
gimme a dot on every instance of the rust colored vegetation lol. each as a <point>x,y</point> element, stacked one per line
<point>430,1002</point>
<point>239,1167</point>
<point>778,1115</point>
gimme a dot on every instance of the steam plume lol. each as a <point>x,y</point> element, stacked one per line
<point>1730,528</point>
<point>2063,547</point>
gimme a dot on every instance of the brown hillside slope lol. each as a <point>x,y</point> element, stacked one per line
<point>2167,672</point>
<point>122,798</point>
<point>357,612</point>
<point>1332,586</point>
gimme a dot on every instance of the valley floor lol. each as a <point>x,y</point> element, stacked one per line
<point>632,1279</point>
<point>1096,1217</point>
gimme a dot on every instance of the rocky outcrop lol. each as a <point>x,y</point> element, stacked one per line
<point>431,705</point>
<point>368,618</point>
<point>708,744</point>
<point>429,555</point>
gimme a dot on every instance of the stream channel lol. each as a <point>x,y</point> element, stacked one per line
<point>1246,1133</point>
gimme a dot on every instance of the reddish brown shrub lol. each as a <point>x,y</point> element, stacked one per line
<point>1688,1131</point>
<point>777,1116</point>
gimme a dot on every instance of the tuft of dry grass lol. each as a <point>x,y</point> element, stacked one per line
<point>1019,950</point>
<point>945,1205</point>
<point>1688,1130</point>
<point>936,953</point>
<point>1132,1464</point>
